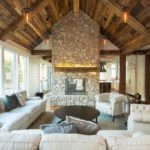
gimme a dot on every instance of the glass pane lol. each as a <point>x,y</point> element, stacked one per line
<point>113,74</point>
<point>8,72</point>
<point>113,66</point>
<point>22,73</point>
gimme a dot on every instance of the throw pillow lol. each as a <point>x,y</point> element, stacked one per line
<point>10,102</point>
<point>83,126</point>
<point>58,128</point>
<point>2,105</point>
<point>21,100</point>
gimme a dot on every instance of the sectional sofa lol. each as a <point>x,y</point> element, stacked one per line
<point>104,140</point>
<point>22,117</point>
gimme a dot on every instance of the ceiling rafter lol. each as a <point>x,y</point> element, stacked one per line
<point>21,21</point>
<point>41,52</point>
<point>135,44</point>
<point>47,57</point>
<point>133,22</point>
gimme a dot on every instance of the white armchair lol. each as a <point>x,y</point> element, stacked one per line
<point>139,118</point>
<point>111,103</point>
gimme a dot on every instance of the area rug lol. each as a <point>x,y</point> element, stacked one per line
<point>104,121</point>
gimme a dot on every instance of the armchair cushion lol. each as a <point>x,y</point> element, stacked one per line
<point>102,97</point>
<point>117,99</point>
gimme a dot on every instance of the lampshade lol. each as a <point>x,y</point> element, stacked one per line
<point>125,14</point>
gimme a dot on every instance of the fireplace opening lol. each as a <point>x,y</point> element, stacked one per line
<point>75,86</point>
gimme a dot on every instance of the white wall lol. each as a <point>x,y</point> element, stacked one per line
<point>33,75</point>
<point>140,72</point>
<point>135,75</point>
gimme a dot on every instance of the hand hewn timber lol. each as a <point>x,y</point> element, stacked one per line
<point>135,44</point>
<point>41,52</point>
<point>75,6</point>
<point>21,21</point>
<point>48,57</point>
<point>133,22</point>
<point>110,52</point>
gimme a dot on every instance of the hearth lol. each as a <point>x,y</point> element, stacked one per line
<point>75,86</point>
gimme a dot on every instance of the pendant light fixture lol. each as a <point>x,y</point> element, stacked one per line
<point>47,40</point>
<point>104,40</point>
<point>125,13</point>
<point>27,13</point>
<point>102,67</point>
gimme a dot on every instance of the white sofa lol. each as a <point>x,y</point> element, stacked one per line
<point>22,117</point>
<point>111,103</point>
<point>139,118</point>
<point>104,140</point>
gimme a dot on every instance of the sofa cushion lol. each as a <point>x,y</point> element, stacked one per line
<point>58,128</point>
<point>114,133</point>
<point>30,109</point>
<point>2,105</point>
<point>72,142</point>
<point>35,102</point>
<point>122,143</point>
<point>12,121</point>
<point>10,102</point>
<point>11,141</point>
<point>83,126</point>
<point>21,99</point>
<point>23,93</point>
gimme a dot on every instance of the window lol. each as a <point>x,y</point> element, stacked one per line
<point>114,71</point>
<point>45,77</point>
<point>22,73</point>
<point>13,68</point>
<point>9,72</point>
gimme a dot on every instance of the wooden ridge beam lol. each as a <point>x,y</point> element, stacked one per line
<point>21,21</point>
<point>76,6</point>
<point>110,52</point>
<point>41,52</point>
<point>133,22</point>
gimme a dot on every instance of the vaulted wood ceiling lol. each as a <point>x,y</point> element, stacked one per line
<point>45,13</point>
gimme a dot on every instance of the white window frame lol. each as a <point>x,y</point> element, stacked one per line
<point>26,71</point>
<point>15,70</point>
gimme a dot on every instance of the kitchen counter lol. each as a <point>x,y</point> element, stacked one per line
<point>105,81</point>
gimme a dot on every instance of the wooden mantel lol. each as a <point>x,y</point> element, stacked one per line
<point>76,69</point>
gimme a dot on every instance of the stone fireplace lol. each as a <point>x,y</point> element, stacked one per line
<point>75,53</point>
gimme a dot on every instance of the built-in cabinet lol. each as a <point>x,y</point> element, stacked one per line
<point>135,75</point>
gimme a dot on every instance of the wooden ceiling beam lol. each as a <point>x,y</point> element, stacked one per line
<point>21,21</point>
<point>135,44</point>
<point>18,41</point>
<point>41,52</point>
<point>110,52</point>
<point>76,6</point>
<point>133,22</point>
<point>37,31</point>
<point>48,57</point>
